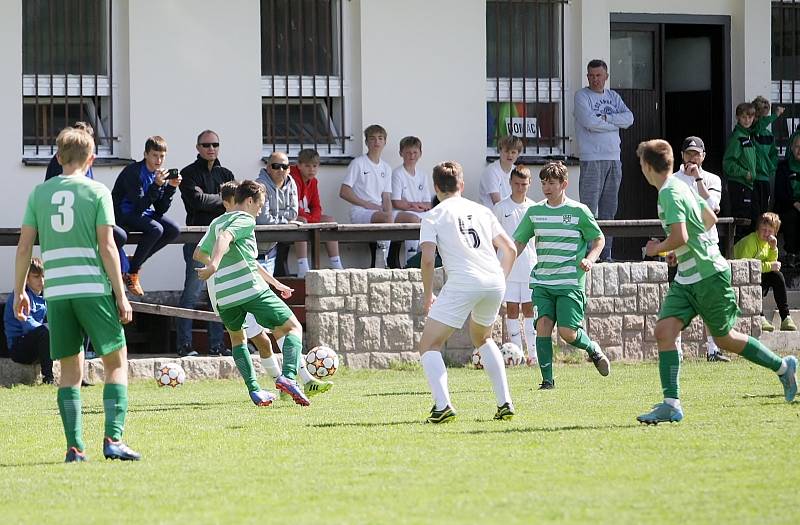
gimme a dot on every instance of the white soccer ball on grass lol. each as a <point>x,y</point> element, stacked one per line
<point>512,354</point>
<point>170,374</point>
<point>322,362</point>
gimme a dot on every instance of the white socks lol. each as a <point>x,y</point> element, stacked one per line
<point>336,263</point>
<point>530,336</point>
<point>674,403</point>
<point>302,267</point>
<point>513,328</point>
<point>711,346</point>
<point>783,368</point>
<point>302,372</point>
<point>436,373</point>
<point>270,364</point>
<point>496,370</point>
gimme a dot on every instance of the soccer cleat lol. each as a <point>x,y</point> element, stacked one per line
<point>286,385</point>
<point>119,450</point>
<point>717,357</point>
<point>262,398</point>
<point>315,387</point>
<point>766,326</point>
<point>505,412</point>
<point>547,385</point>
<point>601,362</point>
<point>132,283</point>
<point>74,456</point>
<point>441,416</point>
<point>787,325</point>
<point>789,378</point>
<point>661,413</point>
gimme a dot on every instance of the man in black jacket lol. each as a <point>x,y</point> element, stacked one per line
<point>200,194</point>
<point>142,195</point>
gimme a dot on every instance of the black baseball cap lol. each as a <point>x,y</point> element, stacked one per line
<point>693,143</point>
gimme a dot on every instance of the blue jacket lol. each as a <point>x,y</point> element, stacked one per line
<point>54,169</point>
<point>16,328</point>
<point>135,194</point>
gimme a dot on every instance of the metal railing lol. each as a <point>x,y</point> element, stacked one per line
<point>525,74</point>
<point>786,67</point>
<point>302,76</point>
<point>67,72</point>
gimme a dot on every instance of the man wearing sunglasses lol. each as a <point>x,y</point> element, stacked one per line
<point>200,193</point>
<point>281,205</point>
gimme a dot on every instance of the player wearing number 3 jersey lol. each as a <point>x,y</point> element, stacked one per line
<point>74,218</point>
<point>466,235</point>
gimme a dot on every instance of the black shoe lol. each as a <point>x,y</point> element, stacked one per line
<point>48,380</point>
<point>718,357</point>
<point>186,351</point>
<point>219,351</point>
<point>547,385</point>
<point>86,383</point>
<point>89,354</point>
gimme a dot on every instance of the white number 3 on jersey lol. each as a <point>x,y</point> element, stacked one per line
<point>63,220</point>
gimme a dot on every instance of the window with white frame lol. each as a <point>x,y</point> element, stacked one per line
<point>302,84</point>
<point>786,69</point>
<point>524,74</point>
<point>66,72</point>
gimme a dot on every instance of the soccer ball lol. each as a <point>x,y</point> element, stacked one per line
<point>322,362</point>
<point>512,354</point>
<point>477,359</point>
<point>170,374</point>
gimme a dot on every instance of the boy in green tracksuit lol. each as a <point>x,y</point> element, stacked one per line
<point>701,287</point>
<point>739,166</point>
<point>767,158</point>
<point>563,229</point>
<point>73,217</point>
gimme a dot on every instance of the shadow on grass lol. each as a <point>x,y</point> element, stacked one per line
<point>161,408</point>
<point>32,464</point>
<point>526,430</point>
<point>365,424</point>
<point>767,396</point>
<point>409,393</point>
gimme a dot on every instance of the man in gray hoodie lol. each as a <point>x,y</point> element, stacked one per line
<point>280,206</point>
<point>599,115</point>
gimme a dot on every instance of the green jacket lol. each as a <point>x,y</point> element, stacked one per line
<point>767,158</point>
<point>751,247</point>
<point>740,157</point>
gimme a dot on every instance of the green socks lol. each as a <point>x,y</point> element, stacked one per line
<point>669,368</point>
<point>583,342</point>
<point>544,352</point>
<point>241,356</point>
<point>759,354</point>
<point>292,353</point>
<point>115,405</point>
<point>69,406</point>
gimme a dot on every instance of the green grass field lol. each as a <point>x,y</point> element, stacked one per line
<point>361,454</point>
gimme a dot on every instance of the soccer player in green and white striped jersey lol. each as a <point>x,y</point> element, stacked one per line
<point>229,253</point>
<point>74,219</point>
<point>563,229</point>
<point>701,287</point>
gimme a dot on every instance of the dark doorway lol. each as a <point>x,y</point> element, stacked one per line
<point>673,72</point>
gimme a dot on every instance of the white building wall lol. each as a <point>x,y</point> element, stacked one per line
<point>416,67</point>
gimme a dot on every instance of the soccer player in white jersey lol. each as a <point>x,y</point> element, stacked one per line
<point>563,229</point>
<point>411,189</point>
<point>494,185</point>
<point>701,287</point>
<point>466,235</point>
<point>256,333</point>
<point>509,213</point>
<point>73,217</point>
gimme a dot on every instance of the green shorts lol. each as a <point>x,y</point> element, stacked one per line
<point>712,298</point>
<point>70,320</point>
<point>563,306</point>
<point>268,309</point>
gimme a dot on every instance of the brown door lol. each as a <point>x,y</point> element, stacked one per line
<point>635,70</point>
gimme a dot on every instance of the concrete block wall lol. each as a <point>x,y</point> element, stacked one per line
<point>374,317</point>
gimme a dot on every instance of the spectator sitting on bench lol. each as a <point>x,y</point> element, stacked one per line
<point>368,187</point>
<point>787,201</point>
<point>280,205</point>
<point>310,208</point>
<point>54,169</point>
<point>411,188</point>
<point>29,340</point>
<point>142,195</point>
<point>762,245</point>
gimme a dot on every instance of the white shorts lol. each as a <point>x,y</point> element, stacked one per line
<point>453,306</point>
<point>518,292</point>
<point>359,215</point>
